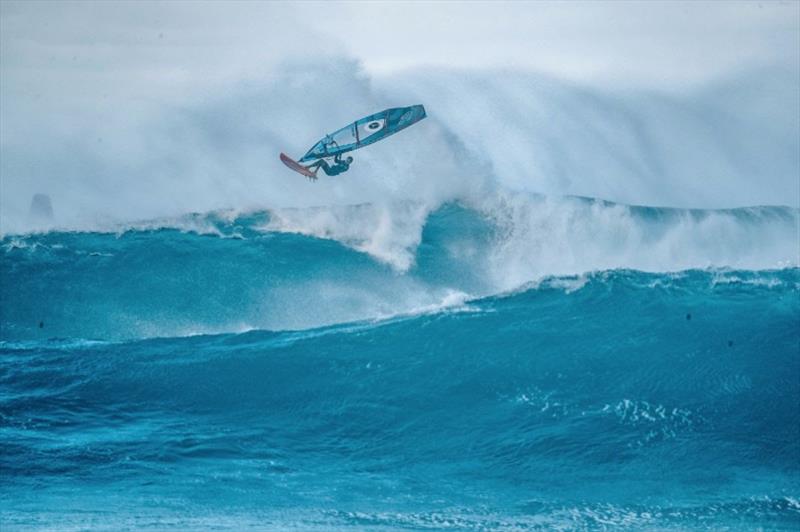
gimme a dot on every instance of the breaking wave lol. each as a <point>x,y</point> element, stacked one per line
<point>301,268</point>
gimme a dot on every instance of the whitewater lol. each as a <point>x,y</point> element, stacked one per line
<point>548,306</point>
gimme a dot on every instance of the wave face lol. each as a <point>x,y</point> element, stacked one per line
<point>302,268</point>
<point>622,398</point>
<point>510,363</point>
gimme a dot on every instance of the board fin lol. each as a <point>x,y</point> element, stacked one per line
<point>297,167</point>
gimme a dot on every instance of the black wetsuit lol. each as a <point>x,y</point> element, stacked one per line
<point>339,167</point>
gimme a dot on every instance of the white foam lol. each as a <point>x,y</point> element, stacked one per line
<point>547,236</point>
<point>390,232</point>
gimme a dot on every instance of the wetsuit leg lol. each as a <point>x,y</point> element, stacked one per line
<point>322,163</point>
<point>325,166</point>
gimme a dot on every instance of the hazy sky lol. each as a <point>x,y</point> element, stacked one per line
<point>176,43</point>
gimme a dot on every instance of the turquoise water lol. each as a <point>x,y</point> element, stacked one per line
<point>223,372</point>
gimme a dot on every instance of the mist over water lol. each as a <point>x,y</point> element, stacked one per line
<point>511,146</point>
<point>731,144</point>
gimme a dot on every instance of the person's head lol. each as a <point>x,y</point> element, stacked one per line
<point>348,160</point>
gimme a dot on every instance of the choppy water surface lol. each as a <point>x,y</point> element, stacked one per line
<point>228,370</point>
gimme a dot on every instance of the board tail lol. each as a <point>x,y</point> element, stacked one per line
<point>297,167</point>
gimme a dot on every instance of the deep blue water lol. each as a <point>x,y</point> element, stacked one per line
<point>248,378</point>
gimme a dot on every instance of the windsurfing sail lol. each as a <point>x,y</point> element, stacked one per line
<point>365,131</point>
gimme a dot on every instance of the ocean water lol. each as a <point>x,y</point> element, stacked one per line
<point>518,362</point>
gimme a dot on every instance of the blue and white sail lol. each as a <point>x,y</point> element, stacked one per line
<point>365,131</point>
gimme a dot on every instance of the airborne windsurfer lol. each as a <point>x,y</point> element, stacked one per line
<point>362,132</point>
<point>339,167</point>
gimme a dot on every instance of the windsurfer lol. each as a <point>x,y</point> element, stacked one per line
<point>339,167</point>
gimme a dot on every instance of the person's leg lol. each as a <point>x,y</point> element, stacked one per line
<point>314,167</point>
